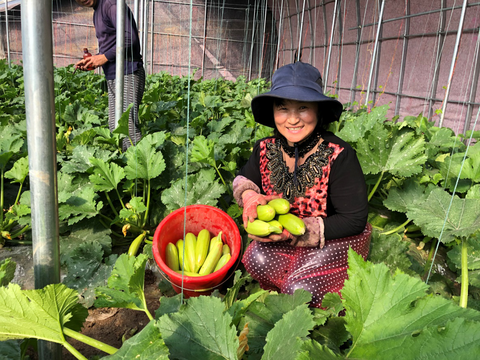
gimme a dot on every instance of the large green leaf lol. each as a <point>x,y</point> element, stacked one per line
<point>144,161</point>
<point>106,176</point>
<point>146,345</point>
<point>446,215</point>
<point>125,284</point>
<point>411,192</point>
<point>262,316</point>
<point>354,127</point>
<point>202,188</point>
<point>203,150</point>
<point>399,152</point>
<point>39,314</point>
<point>7,271</point>
<point>384,313</point>
<point>200,330</point>
<point>19,171</point>
<point>286,338</point>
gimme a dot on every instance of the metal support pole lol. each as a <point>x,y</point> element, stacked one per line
<point>7,33</point>
<point>252,43</point>
<point>291,29</point>
<point>37,46</point>
<point>340,53</point>
<point>332,31</point>
<point>312,31</point>
<point>440,39</point>
<point>205,37</point>
<point>299,48</point>
<point>374,55</point>
<point>454,60</point>
<point>325,32</point>
<point>152,36</point>
<point>473,88</point>
<point>119,60</point>
<point>260,66</point>
<point>357,55</point>
<point>401,75</point>
<point>279,35</point>
<point>145,29</point>
<point>135,11</point>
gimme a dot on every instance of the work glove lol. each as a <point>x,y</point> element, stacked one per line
<point>285,235</point>
<point>251,200</point>
<point>314,235</point>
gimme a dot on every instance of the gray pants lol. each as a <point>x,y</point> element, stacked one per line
<point>133,88</point>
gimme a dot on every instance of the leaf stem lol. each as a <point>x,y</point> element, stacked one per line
<point>464,286</point>
<point>18,194</point>
<point>1,198</point>
<point>90,341</point>
<point>148,204</point>
<point>396,229</point>
<point>221,177</point>
<point>74,351</point>
<point>375,187</point>
<point>21,231</point>
<point>111,205</point>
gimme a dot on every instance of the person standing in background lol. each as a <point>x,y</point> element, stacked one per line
<point>105,23</point>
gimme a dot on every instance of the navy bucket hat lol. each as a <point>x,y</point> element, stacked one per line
<point>298,81</point>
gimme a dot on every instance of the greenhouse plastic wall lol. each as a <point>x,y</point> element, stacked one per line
<point>403,56</point>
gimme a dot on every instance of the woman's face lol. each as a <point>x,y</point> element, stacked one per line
<point>295,120</point>
<point>87,3</point>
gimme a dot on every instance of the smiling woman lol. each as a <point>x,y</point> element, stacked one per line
<point>318,173</point>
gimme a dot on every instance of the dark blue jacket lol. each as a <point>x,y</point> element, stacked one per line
<point>105,22</point>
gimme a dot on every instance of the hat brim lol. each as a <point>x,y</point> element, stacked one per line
<point>262,105</point>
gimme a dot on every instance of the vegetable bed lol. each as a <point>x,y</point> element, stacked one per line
<point>404,303</point>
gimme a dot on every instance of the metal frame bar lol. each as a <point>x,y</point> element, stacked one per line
<point>460,102</point>
<point>204,36</point>
<point>37,48</point>
<point>374,55</point>
<point>119,60</point>
<point>340,52</point>
<point>357,54</point>
<point>7,33</point>
<point>473,88</point>
<point>452,8</point>
<point>401,76</point>
<point>330,43</point>
<point>260,65</point>
<point>454,60</point>
<point>300,33</point>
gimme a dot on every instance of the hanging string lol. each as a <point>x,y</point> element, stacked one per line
<point>452,197</point>
<point>187,145</point>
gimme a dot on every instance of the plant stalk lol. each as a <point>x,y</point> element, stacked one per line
<point>1,198</point>
<point>396,229</point>
<point>375,187</point>
<point>148,204</point>
<point>111,205</point>
<point>464,287</point>
<point>90,341</point>
<point>19,194</point>
<point>74,351</point>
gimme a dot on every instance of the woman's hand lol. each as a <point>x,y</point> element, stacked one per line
<point>93,61</point>
<point>314,236</point>
<point>285,235</point>
<point>251,199</point>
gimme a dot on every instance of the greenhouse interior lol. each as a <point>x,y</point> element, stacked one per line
<point>135,216</point>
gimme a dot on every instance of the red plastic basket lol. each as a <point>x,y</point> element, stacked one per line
<point>196,218</point>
